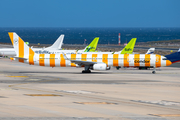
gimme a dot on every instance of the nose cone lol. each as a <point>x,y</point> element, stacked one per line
<point>168,62</point>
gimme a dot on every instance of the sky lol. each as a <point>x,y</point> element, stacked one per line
<point>89,13</point>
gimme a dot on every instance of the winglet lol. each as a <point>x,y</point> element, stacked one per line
<point>92,46</point>
<point>129,47</point>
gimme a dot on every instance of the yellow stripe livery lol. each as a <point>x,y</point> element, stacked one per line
<point>90,61</point>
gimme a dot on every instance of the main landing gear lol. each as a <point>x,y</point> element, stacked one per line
<point>154,70</point>
<point>86,70</point>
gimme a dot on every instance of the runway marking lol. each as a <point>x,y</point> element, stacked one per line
<point>75,92</point>
<point>93,97</point>
<point>41,95</point>
<point>17,76</point>
<point>113,100</point>
<point>159,102</point>
<point>95,103</point>
<point>34,79</point>
<point>166,115</point>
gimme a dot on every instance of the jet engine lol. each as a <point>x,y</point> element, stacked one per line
<point>100,67</point>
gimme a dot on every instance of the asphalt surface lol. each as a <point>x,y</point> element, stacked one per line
<point>34,93</point>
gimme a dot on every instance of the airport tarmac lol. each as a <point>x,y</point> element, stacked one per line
<point>30,92</point>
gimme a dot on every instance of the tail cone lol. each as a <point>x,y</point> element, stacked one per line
<point>168,62</point>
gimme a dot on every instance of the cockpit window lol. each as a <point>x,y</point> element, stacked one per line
<point>164,59</point>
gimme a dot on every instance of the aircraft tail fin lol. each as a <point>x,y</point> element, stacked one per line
<point>174,57</point>
<point>150,51</point>
<point>128,49</point>
<point>22,50</point>
<point>92,46</point>
<point>58,43</point>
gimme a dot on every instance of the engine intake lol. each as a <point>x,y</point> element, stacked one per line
<point>100,67</point>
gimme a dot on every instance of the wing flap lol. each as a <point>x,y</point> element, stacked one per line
<point>79,62</point>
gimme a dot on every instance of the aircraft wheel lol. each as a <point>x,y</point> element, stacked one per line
<point>153,72</point>
<point>86,71</point>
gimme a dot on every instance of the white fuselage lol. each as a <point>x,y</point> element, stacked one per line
<point>126,60</point>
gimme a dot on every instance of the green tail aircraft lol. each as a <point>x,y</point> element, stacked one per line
<point>128,49</point>
<point>92,46</point>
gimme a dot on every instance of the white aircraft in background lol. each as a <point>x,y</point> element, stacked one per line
<point>56,46</point>
<point>150,51</point>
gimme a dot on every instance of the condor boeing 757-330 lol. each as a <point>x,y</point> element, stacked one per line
<point>90,61</point>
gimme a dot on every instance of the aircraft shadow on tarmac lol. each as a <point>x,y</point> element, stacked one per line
<point>64,72</point>
<point>50,72</point>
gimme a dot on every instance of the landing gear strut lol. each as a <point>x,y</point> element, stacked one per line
<point>154,70</point>
<point>86,70</point>
<point>118,67</point>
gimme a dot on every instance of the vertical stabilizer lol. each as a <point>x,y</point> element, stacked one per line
<point>92,46</point>
<point>174,57</point>
<point>57,44</point>
<point>20,47</point>
<point>129,47</point>
<point>150,51</point>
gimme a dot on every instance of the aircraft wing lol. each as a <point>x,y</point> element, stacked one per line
<point>79,62</point>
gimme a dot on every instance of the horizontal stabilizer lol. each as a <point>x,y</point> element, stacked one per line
<point>174,57</point>
<point>19,58</point>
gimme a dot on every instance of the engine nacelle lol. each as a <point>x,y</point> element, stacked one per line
<point>100,67</point>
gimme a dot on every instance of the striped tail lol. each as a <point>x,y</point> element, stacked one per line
<point>21,49</point>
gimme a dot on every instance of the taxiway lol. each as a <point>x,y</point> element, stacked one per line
<point>34,92</point>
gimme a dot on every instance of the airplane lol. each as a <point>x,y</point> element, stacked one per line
<point>54,49</point>
<point>90,61</point>
<point>90,48</point>
<point>56,46</point>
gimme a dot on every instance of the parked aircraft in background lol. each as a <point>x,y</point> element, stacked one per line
<point>54,49</point>
<point>150,51</point>
<point>56,46</point>
<point>90,48</point>
<point>90,61</point>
